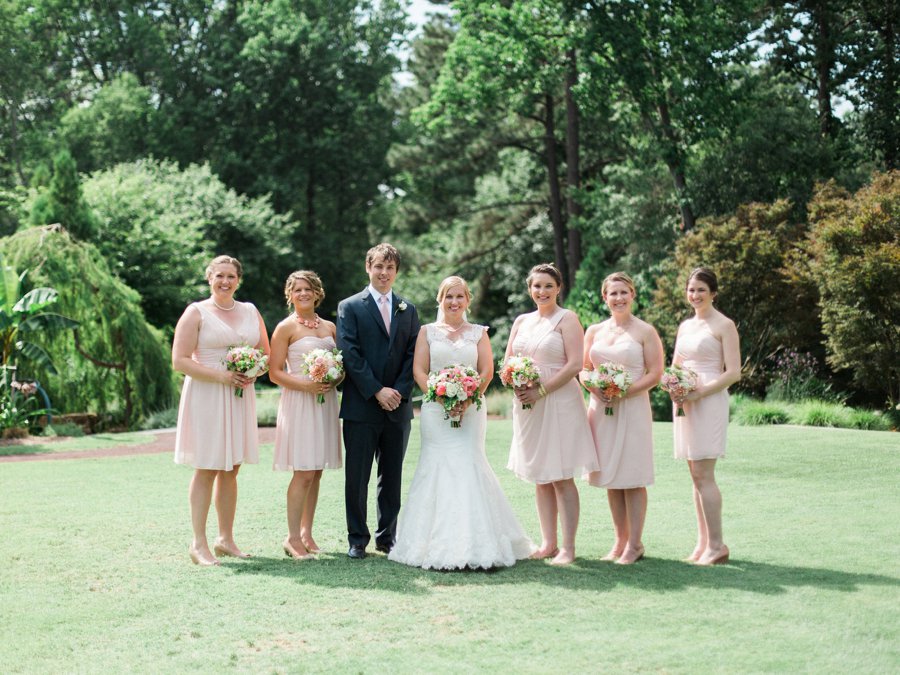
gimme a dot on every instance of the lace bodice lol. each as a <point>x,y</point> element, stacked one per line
<point>462,350</point>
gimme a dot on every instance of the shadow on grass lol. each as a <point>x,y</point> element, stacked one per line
<point>651,574</point>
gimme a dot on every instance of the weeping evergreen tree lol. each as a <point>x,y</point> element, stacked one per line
<point>115,364</point>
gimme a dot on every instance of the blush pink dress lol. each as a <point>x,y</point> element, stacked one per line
<point>701,432</point>
<point>624,439</point>
<point>216,429</point>
<point>551,441</point>
<point>308,433</point>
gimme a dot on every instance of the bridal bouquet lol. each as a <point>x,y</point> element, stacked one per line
<point>323,365</point>
<point>519,371</point>
<point>451,386</point>
<point>612,379</point>
<point>678,381</point>
<point>246,360</point>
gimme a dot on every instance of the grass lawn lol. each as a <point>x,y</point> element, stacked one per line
<point>92,442</point>
<point>95,577</point>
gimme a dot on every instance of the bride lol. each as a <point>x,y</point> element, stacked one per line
<point>456,515</point>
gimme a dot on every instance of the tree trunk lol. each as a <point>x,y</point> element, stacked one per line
<point>14,138</point>
<point>555,211</point>
<point>674,159</point>
<point>825,59</point>
<point>573,170</point>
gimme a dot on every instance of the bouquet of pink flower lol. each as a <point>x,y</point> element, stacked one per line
<point>678,381</point>
<point>451,386</point>
<point>519,371</point>
<point>323,365</point>
<point>246,360</point>
<point>612,379</point>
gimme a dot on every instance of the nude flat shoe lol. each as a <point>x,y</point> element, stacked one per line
<point>218,549</point>
<point>203,562</point>
<point>721,559</point>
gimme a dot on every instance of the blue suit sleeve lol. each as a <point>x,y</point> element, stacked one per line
<point>356,367</point>
<point>404,383</point>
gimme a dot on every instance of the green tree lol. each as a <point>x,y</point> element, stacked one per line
<point>62,202</point>
<point>855,244</point>
<point>113,128</point>
<point>158,226</point>
<point>115,363</point>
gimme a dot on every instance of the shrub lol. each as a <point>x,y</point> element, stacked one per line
<point>869,420</point>
<point>63,429</point>
<point>267,406</point>
<point>794,377</point>
<point>820,414</point>
<point>751,412</point>
<point>161,419</point>
<point>855,246</point>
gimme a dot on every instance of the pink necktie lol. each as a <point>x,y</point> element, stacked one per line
<point>385,313</point>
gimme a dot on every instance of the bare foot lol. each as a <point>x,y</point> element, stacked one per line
<point>544,551</point>
<point>564,557</point>
<point>228,548</point>
<point>613,554</point>
<point>310,544</point>
<point>631,555</point>
<point>719,557</point>
<point>201,556</point>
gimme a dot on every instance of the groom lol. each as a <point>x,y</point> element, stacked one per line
<point>376,331</point>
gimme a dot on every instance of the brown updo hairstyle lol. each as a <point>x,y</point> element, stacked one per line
<point>224,260</point>
<point>545,268</point>
<point>315,283</point>
<point>706,275</point>
<point>620,277</point>
<point>449,283</point>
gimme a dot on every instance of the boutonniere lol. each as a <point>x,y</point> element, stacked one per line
<point>401,307</point>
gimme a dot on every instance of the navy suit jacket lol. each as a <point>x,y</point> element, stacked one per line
<point>373,360</point>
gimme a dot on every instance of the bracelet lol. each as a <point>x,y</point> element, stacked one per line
<point>542,390</point>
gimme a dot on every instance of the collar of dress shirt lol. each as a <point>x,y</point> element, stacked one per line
<point>377,296</point>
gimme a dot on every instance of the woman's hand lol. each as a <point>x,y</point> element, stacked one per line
<point>459,409</point>
<point>529,394</point>
<point>235,379</point>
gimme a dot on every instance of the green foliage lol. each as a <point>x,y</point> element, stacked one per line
<point>161,419</point>
<point>748,254</point>
<point>62,202</point>
<point>115,363</point>
<point>159,226</point>
<point>854,241</point>
<point>23,320</point>
<point>795,377</point>
<point>820,414</point>
<point>113,128</point>
<point>267,406</point>
<point>751,412</point>
<point>67,429</point>
<point>869,420</point>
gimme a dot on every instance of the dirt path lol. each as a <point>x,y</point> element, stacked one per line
<point>165,442</point>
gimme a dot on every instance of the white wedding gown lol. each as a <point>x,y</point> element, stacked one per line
<point>456,514</point>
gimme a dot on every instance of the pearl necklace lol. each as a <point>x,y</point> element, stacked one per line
<point>225,309</point>
<point>309,323</point>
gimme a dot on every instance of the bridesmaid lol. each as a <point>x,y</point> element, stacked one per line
<point>216,430</point>
<point>709,345</point>
<point>551,441</point>
<point>624,439</point>
<point>308,433</point>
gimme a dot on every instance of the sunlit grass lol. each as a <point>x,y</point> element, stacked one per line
<point>94,575</point>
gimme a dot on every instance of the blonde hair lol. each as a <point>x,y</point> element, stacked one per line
<point>224,260</point>
<point>449,283</point>
<point>620,277</point>
<point>315,283</point>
